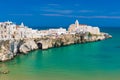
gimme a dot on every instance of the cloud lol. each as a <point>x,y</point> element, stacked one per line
<point>20,14</point>
<point>108,17</point>
<point>65,11</point>
<point>115,13</point>
<point>98,17</point>
<point>85,17</point>
<point>61,15</point>
<point>52,15</point>
<point>53,4</point>
<point>85,11</point>
<point>59,11</point>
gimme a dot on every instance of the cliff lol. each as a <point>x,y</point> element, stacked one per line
<point>5,52</point>
<point>27,46</point>
<point>10,48</point>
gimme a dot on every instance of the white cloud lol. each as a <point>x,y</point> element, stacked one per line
<point>51,14</point>
<point>99,17</point>
<point>115,13</point>
<point>86,17</point>
<point>58,11</point>
<point>86,11</point>
<point>53,4</point>
<point>20,14</point>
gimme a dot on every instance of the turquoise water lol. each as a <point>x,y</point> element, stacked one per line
<point>91,61</point>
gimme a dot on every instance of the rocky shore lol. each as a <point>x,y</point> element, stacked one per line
<point>10,48</point>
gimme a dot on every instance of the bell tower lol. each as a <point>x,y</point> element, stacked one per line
<point>22,24</point>
<point>77,23</point>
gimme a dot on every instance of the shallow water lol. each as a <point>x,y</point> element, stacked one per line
<point>91,61</point>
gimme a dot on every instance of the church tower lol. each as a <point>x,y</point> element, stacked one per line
<point>22,25</point>
<point>77,23</point>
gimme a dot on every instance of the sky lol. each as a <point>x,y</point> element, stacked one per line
<point>103,13</point>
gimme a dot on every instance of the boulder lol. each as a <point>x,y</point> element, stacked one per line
<point>4,72</point>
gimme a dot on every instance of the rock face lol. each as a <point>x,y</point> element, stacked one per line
<point>28,45</point>
<point>46,42</point>
<point>15,45</point>
<point>5,53</point>
<point>67,39</point>
<point>10,48</point>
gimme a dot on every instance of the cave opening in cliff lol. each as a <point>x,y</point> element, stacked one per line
<point>39,45</point>
<point>82,38</point>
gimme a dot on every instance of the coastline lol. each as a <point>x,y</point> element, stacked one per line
<point>17,39</point>
<point>10,48</point>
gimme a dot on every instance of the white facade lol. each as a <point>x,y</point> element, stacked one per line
<point>43,32</point>
<point>9,30</point>
<point>57,31</point>
<point>83,28</point>
<point>77,23</point>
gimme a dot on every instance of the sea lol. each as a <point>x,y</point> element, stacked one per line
<point>90,61</point>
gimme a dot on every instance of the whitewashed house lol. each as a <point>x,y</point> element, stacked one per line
<point>73,28</point>
<point>57,31</point>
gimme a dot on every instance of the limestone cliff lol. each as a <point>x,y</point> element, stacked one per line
<point>10,48</point>
<point>5,53</point>
<point>28,45</point>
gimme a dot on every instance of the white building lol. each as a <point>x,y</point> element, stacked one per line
<point>57,31</point>
<point>9,30</point>
<point>73,28</point>
<point>43,32</point>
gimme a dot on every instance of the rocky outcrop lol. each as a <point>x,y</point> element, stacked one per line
<point>28,45</point>
<point>68,39</point>
<point>10,48</point>
<point>15,45</point>
<point>3,70</point>
<point>5,53</point>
